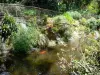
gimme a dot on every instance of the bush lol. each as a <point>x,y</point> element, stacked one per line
<point>23,40</point>
<point>88,65</point>
<point>92,23</point>
<point>93,7</point>
<point>75,15</point>
<point>8,26</point>
<point>69,18</point>
<point>29,12</point>
<point>62,26</point>
<point>83,21</point>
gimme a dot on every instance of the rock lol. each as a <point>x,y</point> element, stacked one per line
<point>51,43</point>
<point>2,68</point>
<point>96,35</point>
<point>23,26</point>
<point>74,40</point>
<point>5,73</point>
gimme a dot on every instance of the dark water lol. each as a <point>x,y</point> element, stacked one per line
<point>41,64</point>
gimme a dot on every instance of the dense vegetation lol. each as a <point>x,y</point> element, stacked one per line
<point>58,5</point>
<point>35,42</point>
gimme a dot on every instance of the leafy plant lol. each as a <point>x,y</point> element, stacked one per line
<point>23,40</point>
<point>61,6</point>
<point>93,7</point>
<point>88,65</point>
<point>92,23</point>
<point>69,18</point>
<point>8,26</point>
<point>83,21</point>
<point>75,14</point>
<point>30,12</point>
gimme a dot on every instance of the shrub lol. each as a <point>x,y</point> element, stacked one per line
<point>23,40</point>
<point>8,26</point>
<point>62,26</point>
<point>93,7</point>
<point>33,35</point>
<point>29,12</point>
<point>69,17</point>
<point>92,23</point>
<point>59,23</point>
<point>61,6</point>
<point>75,14</point>
<point>83,21</point>
<point>88,64</point>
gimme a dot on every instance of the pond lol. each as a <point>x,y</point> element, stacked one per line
<point>52,61</point>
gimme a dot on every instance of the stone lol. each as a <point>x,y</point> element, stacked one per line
<point>5,73</point>
<point>52,43</point>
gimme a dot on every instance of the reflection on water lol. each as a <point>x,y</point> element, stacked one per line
<point>54,61</point>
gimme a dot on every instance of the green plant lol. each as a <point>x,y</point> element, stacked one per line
<point>93,7</point>
<point>75,14</point>
<point>61,6</point>
<point>8,26</point>
<point>92,23</point>
<point>83,21</point>
<point>59,22</point>
<point>72,5</point>
<point>33,35</point>
<point>88,65</point>
<point>29,12</point>
<point>23,40</point>
<point>69,18</point>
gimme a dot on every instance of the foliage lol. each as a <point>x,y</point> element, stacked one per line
<point>93,7</point>
<point>61,7</point>
<point>30,12</point>
<point>59,22</point>
<point>8,26</point>
<point>23,40</point>
<point>88,64</point>
<point>48,4</point>
<point>69,17</point>
<point>83,21</point>
<point>75,15</point>
<point>76,4</point>
<point>62,27</point>
<point>92,23</point>
<point>33,34</point>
